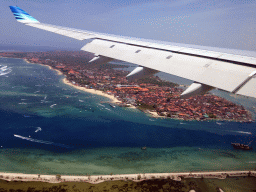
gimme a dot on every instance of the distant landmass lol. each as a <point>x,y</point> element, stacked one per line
<point>27,48</point>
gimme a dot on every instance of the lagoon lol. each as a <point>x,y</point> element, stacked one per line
<point>81,134</point>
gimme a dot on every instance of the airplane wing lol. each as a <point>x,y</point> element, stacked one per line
<point>208,69</point>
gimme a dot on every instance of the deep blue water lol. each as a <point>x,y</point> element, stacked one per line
<point>80,130</point>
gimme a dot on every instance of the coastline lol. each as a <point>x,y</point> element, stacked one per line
<point>113,99</point>
<point>92,91</point>
<point>59,72</point>
<point>96,179</point>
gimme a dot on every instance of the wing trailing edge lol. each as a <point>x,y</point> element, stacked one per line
<point>229,72</point>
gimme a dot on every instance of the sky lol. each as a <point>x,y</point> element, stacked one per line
<point>227,24</point>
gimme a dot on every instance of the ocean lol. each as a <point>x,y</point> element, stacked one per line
<point>48,127</point>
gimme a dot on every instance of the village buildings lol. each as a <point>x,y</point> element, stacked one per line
<point>147,96</point>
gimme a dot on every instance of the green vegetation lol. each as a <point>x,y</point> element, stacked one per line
<point>212,116</point>
<point>68,58</point>
<point>143,106</point>
<point>230,184</point>
<point>156,81</point>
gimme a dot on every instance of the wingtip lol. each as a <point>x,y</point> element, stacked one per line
<point>22,16</point>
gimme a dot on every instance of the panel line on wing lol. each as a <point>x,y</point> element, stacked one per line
<point>251,62</point>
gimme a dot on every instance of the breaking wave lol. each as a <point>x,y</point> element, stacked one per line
<point>4,70</point>
<point>41,141</point>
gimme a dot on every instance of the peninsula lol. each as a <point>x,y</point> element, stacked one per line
<point>152,95</point>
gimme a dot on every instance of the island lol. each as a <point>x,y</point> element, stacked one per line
<point>152,95</point>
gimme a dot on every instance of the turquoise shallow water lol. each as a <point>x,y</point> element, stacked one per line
<point>61,130</point>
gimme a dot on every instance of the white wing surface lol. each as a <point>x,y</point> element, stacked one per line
<point>209,69</point>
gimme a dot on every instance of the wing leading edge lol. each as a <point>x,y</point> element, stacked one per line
<point>209,69</point>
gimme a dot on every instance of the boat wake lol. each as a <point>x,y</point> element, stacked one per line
<point>53,105</point>
<point>4,70</point>
<point>38,129</point>
<point>242,132</point>
<point>22,103</point>
<point>41,141</point>
<point>44,100</point>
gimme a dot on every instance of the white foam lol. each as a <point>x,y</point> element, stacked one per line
<point>33,140</point>
<point>43,101</point>
<point>108,109</point>
<point>40,141</point>
<point>249,133</point>
<point>81,100</point>
<point>252,162</point>
<point>38,129</point>
<point>5,70</point>
<point>53,105</point>
<point>22,103</point>
<point>243,132</point>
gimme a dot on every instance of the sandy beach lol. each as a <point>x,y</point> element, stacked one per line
<point>154,114</point>
<point>97,92</point>
<point>59,72</point>
<point>95,179</point>
<point>92,91</point>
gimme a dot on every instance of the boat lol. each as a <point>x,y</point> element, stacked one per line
<point>241,146</point>
<point>143,148</point>
<point>113,106</point>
